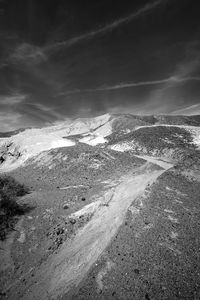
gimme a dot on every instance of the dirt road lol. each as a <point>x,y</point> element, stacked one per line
<point>163,163</point>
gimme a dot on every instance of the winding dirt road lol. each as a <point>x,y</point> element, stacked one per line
<point>69,266</point>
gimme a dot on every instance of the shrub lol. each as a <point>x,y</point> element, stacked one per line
<point>10,190</point>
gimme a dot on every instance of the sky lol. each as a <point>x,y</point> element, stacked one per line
<point>61,60</point>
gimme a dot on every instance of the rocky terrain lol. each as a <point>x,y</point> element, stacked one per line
<point>114,209</point>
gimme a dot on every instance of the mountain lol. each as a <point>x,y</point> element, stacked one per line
<point>10,133</point>
<point>142,134</point>
<point>113,209</point>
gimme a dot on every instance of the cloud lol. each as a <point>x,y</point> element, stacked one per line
<point>48,110</point>
<point>28,53</point>
<point>170,81</point>
<point>173,93</point>
<point>36,114</point>
<point>12,99</point>
<point>189,110</point>
<point>109,27</point>
<point>15,113</point>
<point>186,71</point>
<point>9,121</point>
<point>132,84</point>
<point>162,95</point>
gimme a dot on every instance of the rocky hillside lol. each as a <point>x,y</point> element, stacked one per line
<point>168,141</point>
<point>154,135</point>
<point>113,210</point>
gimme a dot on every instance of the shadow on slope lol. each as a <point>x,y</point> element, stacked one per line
<point>10,210</point>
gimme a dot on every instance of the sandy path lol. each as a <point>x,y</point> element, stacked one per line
<point>163,163</point>
<point>68,268</point>
<point>74,261</point>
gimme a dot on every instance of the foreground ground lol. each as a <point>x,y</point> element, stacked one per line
<point>138,238</point>
<point>114,221</point>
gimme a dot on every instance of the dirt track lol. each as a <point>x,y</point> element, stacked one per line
<point>69,266</point>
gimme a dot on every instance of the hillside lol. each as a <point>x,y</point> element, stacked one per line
<point>114,209</point>
<point>167,132</point>
<point>11,133</point>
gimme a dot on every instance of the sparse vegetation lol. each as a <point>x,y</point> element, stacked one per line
<point>10,190</point>
<point>159,140</point>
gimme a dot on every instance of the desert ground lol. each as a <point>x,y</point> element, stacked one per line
<point>112,212</point>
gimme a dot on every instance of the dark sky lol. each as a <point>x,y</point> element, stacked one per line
<point>73,58</point>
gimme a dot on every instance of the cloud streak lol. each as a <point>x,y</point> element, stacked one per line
<point>47,110</point>
<point>109,27</point>
<point>12,99</point>
<point>9,121</point>
<point>170,80</point>
<point>189,110</point>
<point>172,93</point>
<point>28,54</point>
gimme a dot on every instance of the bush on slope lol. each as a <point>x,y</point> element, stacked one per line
<point>10,190</point>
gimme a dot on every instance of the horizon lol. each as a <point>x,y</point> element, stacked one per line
<point>71,60</point>
<point>71,120</point>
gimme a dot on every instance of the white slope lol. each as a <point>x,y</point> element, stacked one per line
<point>79,126</point>
<point>122,147</point>
<point>19,148</point>
<point>29,144</point>
<point>93,140</point>
<point>98,135</point>
<point>104,130</point>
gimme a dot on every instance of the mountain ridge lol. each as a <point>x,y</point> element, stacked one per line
<point>120,189</point>
<point>102,130</point>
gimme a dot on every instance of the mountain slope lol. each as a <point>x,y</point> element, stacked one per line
<point>139,131</point>
<point>114,210</point>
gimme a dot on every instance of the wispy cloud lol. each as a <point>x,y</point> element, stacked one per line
<point>12,99</point>
<point>133,84</point>
<point>185,71</point>
<point>189,110</point>
<point>28,53</point>
<point>117,86</point>
<point>9,121</point>
<point>109,27</point>
<point>164,94</point>
<point>48,110</point>
<point>172,93</point>
<point>170,81</point>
